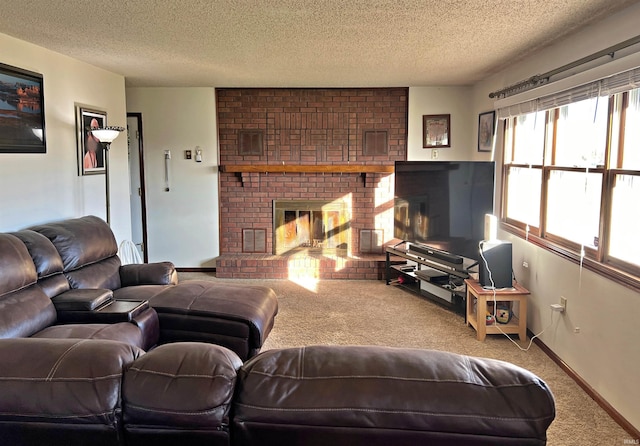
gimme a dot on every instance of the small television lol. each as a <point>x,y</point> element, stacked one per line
<point>442,204</point>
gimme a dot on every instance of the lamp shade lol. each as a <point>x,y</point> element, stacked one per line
<point>106,134</point>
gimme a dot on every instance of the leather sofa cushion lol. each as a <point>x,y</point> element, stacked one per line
<point>381,395</point>
<point>122,332</point>
<point>80,241</point>
<point>43,253</point>
<point>46,260</point>
<point>180,385</point>
<point>25,312</point>
<point>24,307</point>
<point>18,270</point>
<point>138,292</point>
<point>103,274</point>
<point>157,273</point>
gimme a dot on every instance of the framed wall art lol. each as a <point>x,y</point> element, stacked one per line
<point>21,111</point>
<point>90,150</point>
<point>486,129</point>
<point>436,131</point>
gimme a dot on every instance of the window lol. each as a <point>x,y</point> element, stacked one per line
<point>523,200</point>
<point>573,206</point>
<point>624,243</point>
<point>524,159</point>
<point>572,180</point>
<point>631,134</point>
<point>529,138</point>
<point>581,133</point>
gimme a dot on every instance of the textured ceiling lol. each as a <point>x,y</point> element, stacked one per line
<point>287,43</point>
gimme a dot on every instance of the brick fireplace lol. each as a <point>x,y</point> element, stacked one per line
<point>306,180</point>
<point>311,226</point>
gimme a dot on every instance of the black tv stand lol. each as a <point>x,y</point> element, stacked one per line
<point>430,276</point>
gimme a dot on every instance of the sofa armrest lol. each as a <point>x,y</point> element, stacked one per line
<point>82,299</point>
<point>66,381</point>
<point>111,313</point>
<point>159,273</point>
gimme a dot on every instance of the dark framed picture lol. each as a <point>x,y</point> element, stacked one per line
<point>436,131</point>
<point>21,111</point>
<point>90,150</point>
<point>486,130</point>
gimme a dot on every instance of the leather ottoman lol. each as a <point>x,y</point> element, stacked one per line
<point>379,396</point>
<point>236,316</point>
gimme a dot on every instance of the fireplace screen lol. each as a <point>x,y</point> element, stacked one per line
<point>316,225</point>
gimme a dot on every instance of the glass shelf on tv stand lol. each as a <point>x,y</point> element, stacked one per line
<point>436,279</point>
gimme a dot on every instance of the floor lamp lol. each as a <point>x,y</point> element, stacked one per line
<point>106,135</point>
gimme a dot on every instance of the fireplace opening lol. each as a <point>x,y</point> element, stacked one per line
<point>313,225</point>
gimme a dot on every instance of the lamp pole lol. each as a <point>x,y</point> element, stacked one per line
<point>106,135</point>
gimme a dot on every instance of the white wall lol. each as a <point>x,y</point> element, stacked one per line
<point>605,352</point>
<point>456,101</point>
<point>183,223</point>
<point>39,188</point>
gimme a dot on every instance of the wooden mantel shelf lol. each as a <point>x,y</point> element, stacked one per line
<point>304,168</point>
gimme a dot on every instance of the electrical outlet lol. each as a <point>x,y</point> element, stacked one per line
<point>576,330</point>
<point>563,302</point>
<point>434,154</point>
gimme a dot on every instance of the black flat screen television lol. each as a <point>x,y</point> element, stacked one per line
<point>442,204</point>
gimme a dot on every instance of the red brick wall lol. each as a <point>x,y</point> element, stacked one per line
<point>302,127</point>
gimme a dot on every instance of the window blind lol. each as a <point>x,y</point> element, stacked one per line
<point>618,83</point>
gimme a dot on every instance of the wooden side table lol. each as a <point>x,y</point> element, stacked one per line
<point>477,319</point>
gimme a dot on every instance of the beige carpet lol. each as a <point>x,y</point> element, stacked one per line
<point>343,312</point>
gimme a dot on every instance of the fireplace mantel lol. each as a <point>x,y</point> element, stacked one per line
<point>306,168</point>
<point>362,169</point>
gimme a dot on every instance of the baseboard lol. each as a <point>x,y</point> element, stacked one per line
<point>196,270</point>
<point>613,413</point>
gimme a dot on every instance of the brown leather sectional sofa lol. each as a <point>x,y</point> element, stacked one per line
<point>93,352</point>
<point>66,281</point>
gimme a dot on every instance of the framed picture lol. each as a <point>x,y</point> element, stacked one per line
<point>436,131</point>
<point>90,150</point>
<point>486,129</point>
<point>21,111</point>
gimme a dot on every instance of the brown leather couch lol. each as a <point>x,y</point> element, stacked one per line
<point>73,372</point>
<point>46,295</point>
<point>68,271</point>
<point>97,392</point>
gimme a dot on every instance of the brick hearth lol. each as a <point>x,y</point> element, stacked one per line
<point>333,128</point>
<point>299,265</point>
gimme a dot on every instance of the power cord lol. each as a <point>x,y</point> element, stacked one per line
<point>495,306</point>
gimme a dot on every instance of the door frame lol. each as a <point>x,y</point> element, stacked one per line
<point>143,195</point>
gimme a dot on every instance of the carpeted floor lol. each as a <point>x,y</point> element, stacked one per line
<point>343,312</point>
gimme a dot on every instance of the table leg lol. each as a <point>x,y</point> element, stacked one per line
<point>523,319</point>
<point>387,269</point>
<point>482,317</point>
<point>469,305</point>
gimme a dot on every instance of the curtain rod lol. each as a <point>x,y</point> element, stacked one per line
<point>541,79</point>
